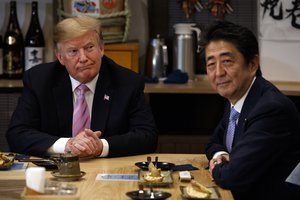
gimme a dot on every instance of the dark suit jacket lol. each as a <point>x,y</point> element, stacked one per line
<point>45,109</point>
<point>266,146</point>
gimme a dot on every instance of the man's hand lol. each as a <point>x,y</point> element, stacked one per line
<point>215,161</point>
<point>85,144</point>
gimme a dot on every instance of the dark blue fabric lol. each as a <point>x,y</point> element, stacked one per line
<point>151,80</point>
<point>184,167</point>
<point>177,77</point>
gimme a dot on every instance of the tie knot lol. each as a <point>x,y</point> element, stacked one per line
<point>234,115</point>
<point>82,89</point>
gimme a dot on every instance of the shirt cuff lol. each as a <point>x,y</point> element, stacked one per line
<point>219,153</point>
<point>105,148</point>
<point>58,146</point>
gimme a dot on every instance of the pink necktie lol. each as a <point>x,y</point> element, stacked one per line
<point>81,115</point>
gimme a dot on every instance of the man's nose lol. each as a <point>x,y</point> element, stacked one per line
<point>82,55</point>
<point>219,69</point>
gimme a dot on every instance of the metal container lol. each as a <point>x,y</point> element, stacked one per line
<point>157,58</point>
<point>185,46</point>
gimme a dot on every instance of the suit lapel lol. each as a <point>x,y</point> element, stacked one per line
<point>102,100</point>
<point>248,105</point>
<point>63,98</point>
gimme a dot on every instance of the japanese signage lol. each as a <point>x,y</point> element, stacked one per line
<point>280,19</point>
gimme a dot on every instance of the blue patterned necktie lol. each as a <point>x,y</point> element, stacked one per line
<point>234,115</point>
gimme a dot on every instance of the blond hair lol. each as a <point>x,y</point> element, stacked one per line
<point>73,27</point>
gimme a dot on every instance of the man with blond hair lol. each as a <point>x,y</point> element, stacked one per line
<point>116,120</point>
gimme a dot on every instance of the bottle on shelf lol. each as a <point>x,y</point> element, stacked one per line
<point>13,48</point>
<point>34,40</point>
<point>1,57</point>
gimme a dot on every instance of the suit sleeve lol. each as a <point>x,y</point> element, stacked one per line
<point>216,142</point>
<point>23,134</point>
<point>263,143</point>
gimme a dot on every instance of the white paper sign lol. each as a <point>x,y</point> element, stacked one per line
<point>279,20</point>
<point>117,177</point>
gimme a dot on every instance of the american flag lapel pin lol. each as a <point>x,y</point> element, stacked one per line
<point>106,97</point>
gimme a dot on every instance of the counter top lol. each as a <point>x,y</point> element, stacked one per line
<point>203,87</point>
<point>192,87</point>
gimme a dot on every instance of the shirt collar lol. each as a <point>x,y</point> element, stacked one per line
<point>91,85</point>
<point>239,104</point>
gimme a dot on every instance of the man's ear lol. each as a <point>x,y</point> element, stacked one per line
<point>59,57</point>
<point>102,48</point>
<point>254,64</point>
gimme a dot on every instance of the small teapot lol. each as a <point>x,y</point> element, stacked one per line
<point>68,164</point>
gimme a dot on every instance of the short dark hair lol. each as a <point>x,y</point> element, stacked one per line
<point>241,37</point>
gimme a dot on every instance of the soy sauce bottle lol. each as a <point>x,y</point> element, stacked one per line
<point>13,48</point>
<point>34,40</point>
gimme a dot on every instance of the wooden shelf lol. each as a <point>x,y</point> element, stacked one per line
<point>10,84</point>
<point>192,87</point>
<point>203,87</point>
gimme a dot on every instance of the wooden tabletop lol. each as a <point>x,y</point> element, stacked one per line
<point>12,182</point>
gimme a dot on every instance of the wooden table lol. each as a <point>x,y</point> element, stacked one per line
<point>12,182</point>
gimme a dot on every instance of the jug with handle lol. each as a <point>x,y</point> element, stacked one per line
<point>185,46</point>
<point>157,58</point>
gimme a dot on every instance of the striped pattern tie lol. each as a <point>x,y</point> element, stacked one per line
<point>234,115</point>
<point>81,114</point>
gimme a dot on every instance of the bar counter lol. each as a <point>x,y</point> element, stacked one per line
<point>200,86</point>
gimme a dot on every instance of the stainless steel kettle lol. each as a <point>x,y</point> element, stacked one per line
<point>157,58</point>
<point>185,46</point>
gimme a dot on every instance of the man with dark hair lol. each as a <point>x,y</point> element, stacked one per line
<point>256,144</point>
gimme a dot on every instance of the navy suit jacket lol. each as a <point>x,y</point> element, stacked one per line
<point>45,109</point>
<point>266,145</point>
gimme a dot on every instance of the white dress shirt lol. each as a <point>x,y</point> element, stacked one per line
<point>59,145</point>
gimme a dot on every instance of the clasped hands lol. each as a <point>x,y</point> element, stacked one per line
<point>85,144</point>
<point>217,160</point>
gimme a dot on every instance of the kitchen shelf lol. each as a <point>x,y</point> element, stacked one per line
<point>203,87</point>
<point>192,87</point>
